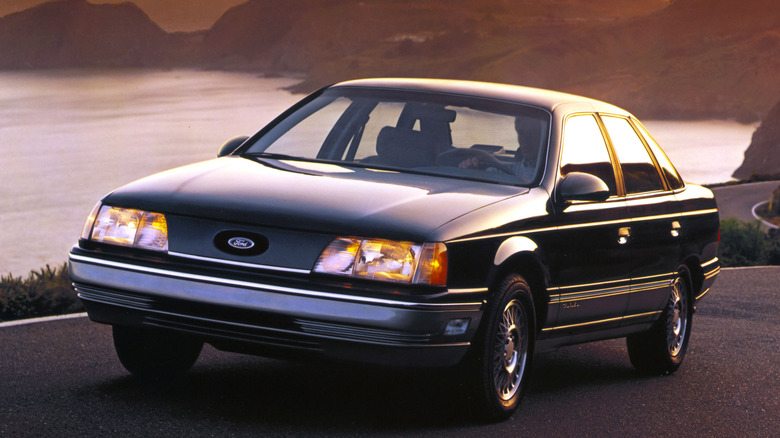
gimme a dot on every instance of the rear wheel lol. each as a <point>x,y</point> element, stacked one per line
<point>506,350</point>
<point>661,350</point>
<point>153,354</point>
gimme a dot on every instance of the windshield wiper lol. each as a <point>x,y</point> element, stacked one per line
<point>276,156</point>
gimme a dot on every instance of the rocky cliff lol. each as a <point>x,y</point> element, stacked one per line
<point>763,155</point>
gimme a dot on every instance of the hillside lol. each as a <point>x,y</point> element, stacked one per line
<point>331,40</point>
<point>688,59</point>
<point>74,33</point>
<point>682,59</point>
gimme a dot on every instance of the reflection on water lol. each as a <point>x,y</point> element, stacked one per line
<point>67,138</point>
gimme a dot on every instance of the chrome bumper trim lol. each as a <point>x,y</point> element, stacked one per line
<point>709,276</point>
<point>710,262</point>
<point>235,263</point>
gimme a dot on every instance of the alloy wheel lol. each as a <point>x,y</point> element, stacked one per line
<point>510,351</point>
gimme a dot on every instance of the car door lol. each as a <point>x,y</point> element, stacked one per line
<point>590,261</point>
<point>654,231</point>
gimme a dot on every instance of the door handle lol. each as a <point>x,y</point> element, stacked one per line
<point>675,229</point>
<point>623,234</point>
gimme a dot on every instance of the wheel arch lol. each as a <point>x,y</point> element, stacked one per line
<point>519,255</point>
<point>696,274</point>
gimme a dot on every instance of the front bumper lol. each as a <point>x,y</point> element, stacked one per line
<point>270,318</point>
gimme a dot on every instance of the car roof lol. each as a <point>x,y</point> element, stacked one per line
<point>546,99</point>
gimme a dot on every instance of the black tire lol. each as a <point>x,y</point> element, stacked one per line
<point>505,350</point>
<point>661,349</point>
<point>155,355</point>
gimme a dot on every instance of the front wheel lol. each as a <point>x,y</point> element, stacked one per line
<point>506,350</point>
<point>661,349</point>
<point>155,355</point>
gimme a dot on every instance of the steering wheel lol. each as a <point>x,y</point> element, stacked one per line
<point>464,157</point>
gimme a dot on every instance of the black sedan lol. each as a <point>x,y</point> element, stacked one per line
<point>405,222</point>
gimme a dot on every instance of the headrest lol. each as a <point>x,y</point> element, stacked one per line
<point>405,147</point>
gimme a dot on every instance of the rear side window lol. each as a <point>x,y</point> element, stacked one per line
<point>584,150</point>
<point>640,174</point>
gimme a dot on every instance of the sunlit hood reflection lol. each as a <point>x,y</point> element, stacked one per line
<point>314,196</point>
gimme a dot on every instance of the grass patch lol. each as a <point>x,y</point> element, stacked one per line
<point>45,292</point>
<point>747,244</point>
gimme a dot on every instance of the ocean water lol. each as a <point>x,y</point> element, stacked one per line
<point>68,138</point>
<point>704,152</point>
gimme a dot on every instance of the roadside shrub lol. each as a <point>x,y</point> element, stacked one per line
<point>774,203</point>
<point>44,292</point>
<point>747,244</point>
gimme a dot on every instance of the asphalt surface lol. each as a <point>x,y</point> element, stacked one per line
<point>61,378</point>
<point>738,201</point>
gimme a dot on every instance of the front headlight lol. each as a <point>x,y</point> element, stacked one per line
<point>386,260</point>
<point>127,227</point>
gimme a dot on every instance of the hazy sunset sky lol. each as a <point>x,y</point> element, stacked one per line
<point>171,15</point>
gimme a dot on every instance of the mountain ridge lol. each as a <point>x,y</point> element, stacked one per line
<point>686,59</point>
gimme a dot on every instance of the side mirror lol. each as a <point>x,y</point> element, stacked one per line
<point>578,186</point>
<point>231,145</point>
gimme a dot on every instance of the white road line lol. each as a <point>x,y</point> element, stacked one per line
<point>43,319</point>
<point>755,215</point>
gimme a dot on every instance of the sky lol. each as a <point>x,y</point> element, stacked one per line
<point>171,15</point>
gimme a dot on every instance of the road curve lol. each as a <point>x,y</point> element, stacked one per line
<point>61,378</point>
<point>738,201</point>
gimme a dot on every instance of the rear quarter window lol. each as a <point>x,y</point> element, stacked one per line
<point>670,172</point>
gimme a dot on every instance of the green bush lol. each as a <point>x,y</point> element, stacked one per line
<point>774,203</point>
<point>44,292</point>
<point>747,244</point>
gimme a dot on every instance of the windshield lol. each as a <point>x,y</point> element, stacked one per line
<point>429,133</point>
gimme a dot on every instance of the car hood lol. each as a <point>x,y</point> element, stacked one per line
<point>311,196</point>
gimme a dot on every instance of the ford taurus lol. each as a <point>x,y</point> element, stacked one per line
<point>405,222</point>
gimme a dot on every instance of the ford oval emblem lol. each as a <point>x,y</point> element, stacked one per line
<point>241,243</point>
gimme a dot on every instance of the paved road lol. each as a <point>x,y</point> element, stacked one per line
<point>61,378</point>
<point>738,201</point>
